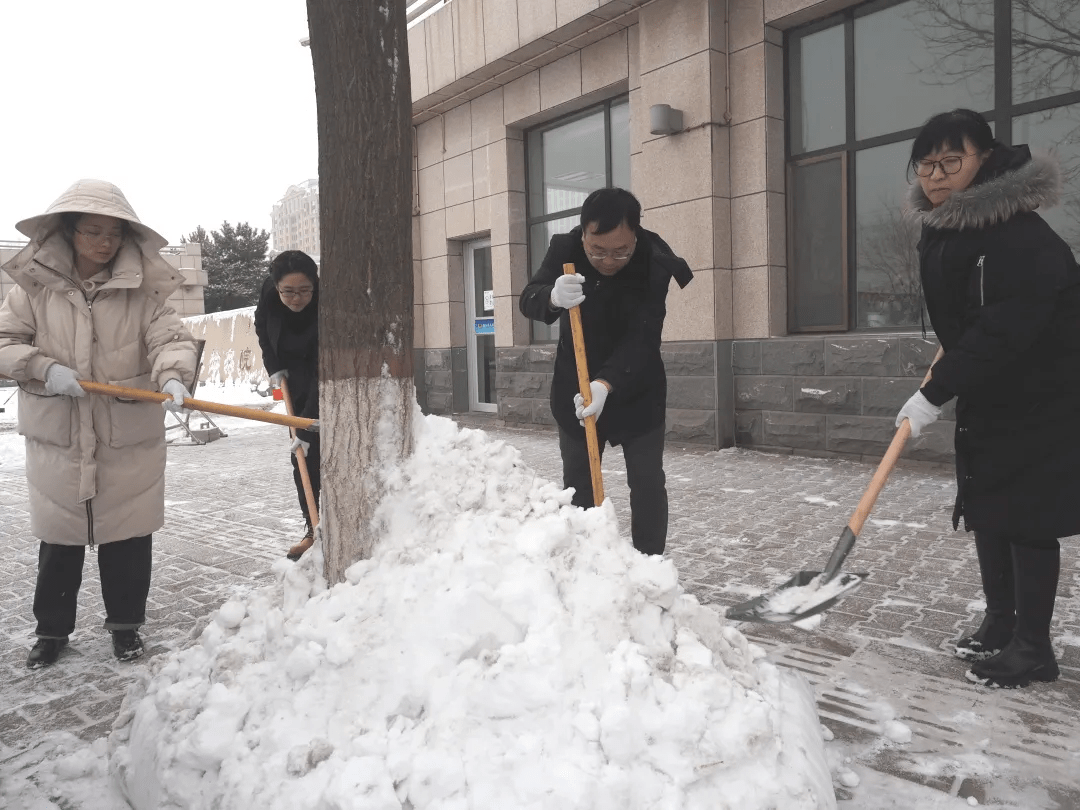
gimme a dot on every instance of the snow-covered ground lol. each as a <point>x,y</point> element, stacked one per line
<point>502,650</point>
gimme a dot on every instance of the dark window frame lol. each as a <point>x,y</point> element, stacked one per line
<point>1001,117</point>
<point>530,218</point>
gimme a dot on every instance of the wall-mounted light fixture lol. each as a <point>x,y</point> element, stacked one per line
<point>663,120</point>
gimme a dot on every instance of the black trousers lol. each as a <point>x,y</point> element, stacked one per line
<point>125,582</point>
<point>1006,539</point>
<point>644,457</point>
<point>313,473</point>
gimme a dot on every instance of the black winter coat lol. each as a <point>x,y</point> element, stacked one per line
<point>290,340</point>
<point>1003,294</point>
<point>622,320</point>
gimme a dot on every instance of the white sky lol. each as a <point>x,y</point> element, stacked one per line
<point>200,111</point>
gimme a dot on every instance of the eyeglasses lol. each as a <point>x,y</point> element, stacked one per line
<point>949,165</point>
<point>100,237</point>
<point>622,256</point>
<point>303,292</point>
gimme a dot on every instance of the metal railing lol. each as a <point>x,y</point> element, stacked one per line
<point>419,9</point>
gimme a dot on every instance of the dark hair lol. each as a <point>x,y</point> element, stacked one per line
<point>610,207</point>
<point>294,261</point>
<point>949,130</point>
<point>70,219</point>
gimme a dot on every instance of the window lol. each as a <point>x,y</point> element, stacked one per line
<point>567,161</point>
<point>860,86</point>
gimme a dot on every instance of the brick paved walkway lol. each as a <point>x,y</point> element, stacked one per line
<point>740,522</point>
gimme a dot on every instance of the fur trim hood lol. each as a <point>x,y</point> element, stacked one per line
<point>1012,181</point>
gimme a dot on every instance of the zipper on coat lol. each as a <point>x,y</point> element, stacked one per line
<point>90,524</point>
<point>982,291</point>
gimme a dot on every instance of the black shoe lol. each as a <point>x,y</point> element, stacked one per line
<point>44,652</point>
<point>126,644</point>
<point>1020,663</point>
<point>993,635</point>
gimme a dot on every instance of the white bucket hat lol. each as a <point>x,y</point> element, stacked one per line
<point>92,197</point>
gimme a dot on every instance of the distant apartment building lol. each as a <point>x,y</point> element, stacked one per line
<point>187,258</point>
<point>294,221</point>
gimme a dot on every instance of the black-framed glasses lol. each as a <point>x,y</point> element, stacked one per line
<point>303,292</point>
<point>949,165</point>
<point>100,237</point>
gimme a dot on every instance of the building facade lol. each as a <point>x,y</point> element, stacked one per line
<point>187,258</point>
<point>783,186</point>
<point>294,219</point>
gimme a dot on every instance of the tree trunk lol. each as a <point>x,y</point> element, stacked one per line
<point>359,49</point>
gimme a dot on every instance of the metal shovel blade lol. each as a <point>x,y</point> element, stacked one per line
<point>761,608</point>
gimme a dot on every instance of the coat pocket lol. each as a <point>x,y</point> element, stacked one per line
<point>45,418</point>
<point>132,421</point>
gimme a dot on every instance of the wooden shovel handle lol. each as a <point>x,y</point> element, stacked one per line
<point>586,394</point>
<point>301,461</point>
<point>197,404</point>
<point>896,447</point>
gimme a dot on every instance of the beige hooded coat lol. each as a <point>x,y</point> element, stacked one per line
<point>95,465</point>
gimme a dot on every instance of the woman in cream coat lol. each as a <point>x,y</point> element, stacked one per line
<point>91,304</point>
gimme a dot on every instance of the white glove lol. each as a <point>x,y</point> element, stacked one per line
<point>298,442</point>
<point>63,381</point>
<point>919,412</point>
<point>277,377</point>
<point>567,291</point>
<point>599,393</point>
<point>176,390</point>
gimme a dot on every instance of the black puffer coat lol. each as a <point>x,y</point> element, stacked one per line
<point>1003,294</point>
<point>290,340</point>
<point>622,319</point>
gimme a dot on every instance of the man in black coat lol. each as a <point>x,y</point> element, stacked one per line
<point>621,288</point>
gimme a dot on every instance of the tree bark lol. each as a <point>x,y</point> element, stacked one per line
<point>359,50</point>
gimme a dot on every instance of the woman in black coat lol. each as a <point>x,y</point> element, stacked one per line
<point>1003,293</point>
<point>287,324</point>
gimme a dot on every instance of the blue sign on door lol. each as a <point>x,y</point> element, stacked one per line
<point>484,326</point>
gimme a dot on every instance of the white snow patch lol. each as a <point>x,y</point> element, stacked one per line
<point>897,732</point>
<point>817,500</point>
<point>886,522</point>
<point>847,777</point>
<point>500,649</point>
<point>911,644</point>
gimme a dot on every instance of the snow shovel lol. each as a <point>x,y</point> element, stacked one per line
<point>586,394</point>
<point>197,405</point>
<point>811,592</point>
<point>309,495</point>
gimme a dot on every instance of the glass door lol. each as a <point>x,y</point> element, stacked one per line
<point>480,326</point>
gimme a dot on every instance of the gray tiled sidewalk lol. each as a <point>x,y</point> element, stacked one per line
<point>740,522</point>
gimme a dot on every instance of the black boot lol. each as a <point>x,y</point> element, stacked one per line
<point>126,644</point>
<point>1029,656</point>
<point>996,630</point>
<point>44,652</point>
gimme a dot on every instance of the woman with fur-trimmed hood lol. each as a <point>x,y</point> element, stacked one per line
<point>1002,291</point>
<point>91,303</point>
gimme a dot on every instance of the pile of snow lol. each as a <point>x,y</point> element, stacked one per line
<point>502,649</point>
